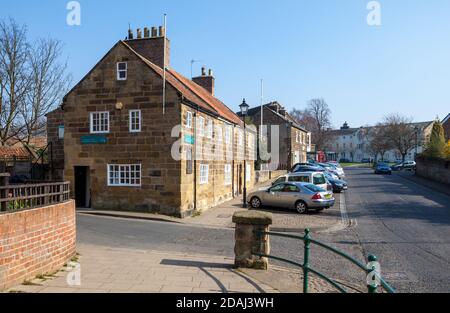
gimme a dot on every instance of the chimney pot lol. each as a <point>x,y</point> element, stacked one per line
<point>154,32</point>
<point>139,33</point>
<point>146,32</point>
<point>130,34</point>
<point>210,72</point>
<point>203,71</point>
<point>162,31</point>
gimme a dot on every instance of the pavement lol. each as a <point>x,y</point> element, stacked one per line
<point>109,270</point>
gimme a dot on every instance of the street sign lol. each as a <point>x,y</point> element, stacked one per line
<point>93,140</point>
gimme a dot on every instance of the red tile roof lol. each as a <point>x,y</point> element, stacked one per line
<point>192,91</point>
<point>11,152</point>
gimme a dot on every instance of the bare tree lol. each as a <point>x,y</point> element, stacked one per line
<point>317,119</point>
<point>14,81</point>
<point>378,141</point>
<point>48,84</point>
<point>32,82</point>
<point>401,133</point>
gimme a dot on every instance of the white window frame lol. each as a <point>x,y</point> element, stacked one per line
<point>228,134</point>
<point>227,174</point>
<point>296,137</point>
<point>201,126</point>
<point>204,174</point>
<point>189,119</point>
<point>115,171</point>
<point>135,130</point>
<point>248,173</point>
<point>122,71</point>
<point>209,128</point>
<point>91,124</point>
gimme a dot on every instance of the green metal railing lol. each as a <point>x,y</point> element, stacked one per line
<point>372,287</point>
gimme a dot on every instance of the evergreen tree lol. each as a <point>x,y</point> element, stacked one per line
<point>437,145</point>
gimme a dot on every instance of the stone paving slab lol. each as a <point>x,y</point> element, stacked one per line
<point>107,270</point>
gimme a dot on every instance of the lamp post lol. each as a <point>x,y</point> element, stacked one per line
<point>416,132</point>
<point>244,111</point>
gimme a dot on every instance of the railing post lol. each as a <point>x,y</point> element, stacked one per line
<point>371,283</point>
<point>306,260</point>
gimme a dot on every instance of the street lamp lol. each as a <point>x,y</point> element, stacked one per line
<point>416,132</point>
<point>244,111</point>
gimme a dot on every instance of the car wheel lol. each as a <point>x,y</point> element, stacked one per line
<point>301,207</point>
<point>255,203</point>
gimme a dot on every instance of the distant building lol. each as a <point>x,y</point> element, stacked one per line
<point>294,139</point>
<point>352,143</point>
<point>446,125</point>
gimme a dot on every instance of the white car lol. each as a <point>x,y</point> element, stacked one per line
<point>315,178</point>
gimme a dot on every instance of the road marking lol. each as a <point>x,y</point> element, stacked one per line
<point>345,221</point>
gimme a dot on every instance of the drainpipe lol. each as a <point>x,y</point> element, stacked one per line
<point>194,156</point>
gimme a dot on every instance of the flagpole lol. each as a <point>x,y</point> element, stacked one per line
<point>164,64</point>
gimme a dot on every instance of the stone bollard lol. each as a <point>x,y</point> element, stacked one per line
<point>248,242</point>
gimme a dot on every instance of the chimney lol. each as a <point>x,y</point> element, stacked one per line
<point>151,46</point>
<point>154,32</point>
<point>205,81</point>
<point>130,34</point>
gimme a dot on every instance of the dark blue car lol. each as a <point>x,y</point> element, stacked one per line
<point>382,168</point>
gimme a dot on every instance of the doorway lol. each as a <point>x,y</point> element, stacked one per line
<point>82,187</point>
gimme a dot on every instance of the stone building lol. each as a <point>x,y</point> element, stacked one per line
<point>128,147</point>
<point>446,126</point>
<point>294,140</point>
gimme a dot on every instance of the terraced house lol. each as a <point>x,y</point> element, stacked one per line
<point>133,142</point>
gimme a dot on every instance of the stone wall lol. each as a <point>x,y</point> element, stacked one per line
<point>34,242</point>
<point>434,169</point>
<point>55,120</point>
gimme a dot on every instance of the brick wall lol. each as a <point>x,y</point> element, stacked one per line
<point>34,242</point>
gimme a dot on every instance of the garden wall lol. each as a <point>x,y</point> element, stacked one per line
<point>36,241</point>
<point>434,169</point>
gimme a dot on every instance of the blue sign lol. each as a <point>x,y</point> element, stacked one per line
<point>93,140</point>
<point>189,139</point>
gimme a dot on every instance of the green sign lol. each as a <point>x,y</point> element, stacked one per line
<point>189,139</point>
<point>93,140</point>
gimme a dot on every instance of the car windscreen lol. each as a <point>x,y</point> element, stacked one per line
<point>314,188</point>
<point>299,179</point>
<point>319,179</point>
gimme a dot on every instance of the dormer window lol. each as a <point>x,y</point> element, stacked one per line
<point>122,68</point>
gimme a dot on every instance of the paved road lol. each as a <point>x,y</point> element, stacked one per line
<point>407,226</point>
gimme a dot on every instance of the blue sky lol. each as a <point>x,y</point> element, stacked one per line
<point>302,49</point>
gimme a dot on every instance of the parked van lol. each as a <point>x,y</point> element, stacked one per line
<point>316,178</point>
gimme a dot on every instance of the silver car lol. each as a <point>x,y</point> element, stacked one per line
<point>299,196</point>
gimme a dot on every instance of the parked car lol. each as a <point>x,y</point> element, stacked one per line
<point>337,184</point>
<point>305,168</point>
<point>339,172</point>
<point>407,165</point>
<point>315,178</point>
<point>383,168</point>
<point>345,161</point>
<point>299,196</point>
<point>366,160</point>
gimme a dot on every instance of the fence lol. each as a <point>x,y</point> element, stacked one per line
<point>374,279</point>
<point>19,197</point>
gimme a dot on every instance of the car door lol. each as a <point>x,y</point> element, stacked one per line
<point>273,195</point>
<point>288,196</point>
